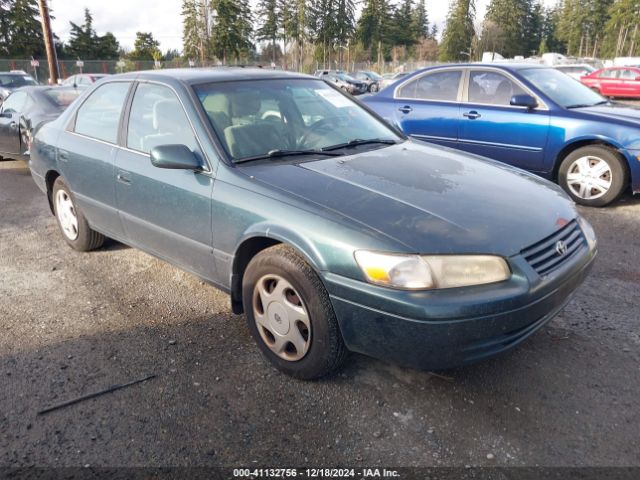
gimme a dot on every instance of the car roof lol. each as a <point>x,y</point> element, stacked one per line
<point>207,75</point>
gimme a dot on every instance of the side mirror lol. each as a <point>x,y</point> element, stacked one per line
<point>174,157</point>
<point>524,100</point>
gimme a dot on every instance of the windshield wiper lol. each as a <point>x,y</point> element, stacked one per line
<point>358,141</point>
<point>285,153</point>
<point>583,105</point>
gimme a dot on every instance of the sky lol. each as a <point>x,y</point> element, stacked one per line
<point>162,17</point>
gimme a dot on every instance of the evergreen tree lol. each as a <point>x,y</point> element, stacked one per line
<point>145,47</point>
<point>195,29</point>
<point>23,34</point>
<point>269,18</point>
<point>513,27</point>
<point>82,38</point>
<point>458,32</point>
<point>622,34</point>
<point>231,30</point>
<point>5,6</point>
<point>403,30</point>
<point>374,28</point>
<point>420,21</point>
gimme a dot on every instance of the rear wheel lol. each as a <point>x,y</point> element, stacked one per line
<point>290,316</point>
<point>594,175</point>
<point>73,225</point>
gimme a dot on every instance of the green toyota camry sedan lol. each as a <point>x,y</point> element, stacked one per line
<point>331,231</point>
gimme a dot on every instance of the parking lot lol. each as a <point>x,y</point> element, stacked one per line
<point>74,323</point>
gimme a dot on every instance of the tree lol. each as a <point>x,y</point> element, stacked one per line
<point>458,33</point>
<point>82,38</point>
<point>145,47</point>
<point>195,29</point>
<point>23,31</point>
<point>512,27</point>
<point>420,21</point>
<point>374,27</point>
<point>622,35</point>
<point>107,47</point>
<point>269,18</point>
<point>231,30</point>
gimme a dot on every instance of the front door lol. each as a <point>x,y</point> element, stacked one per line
<point>490,126</point>
<point>10,123</point>
<point>166,212</point>
<point>427,106</point>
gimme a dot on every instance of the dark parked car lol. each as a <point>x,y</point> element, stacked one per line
<point>529,116</point>
<point>23,111</point>
<point>83,80</point>
<point>346,83</point>
<point>9,81</point>
<point>371,79</point>
<point>329,229</point>
<point>622,82</point>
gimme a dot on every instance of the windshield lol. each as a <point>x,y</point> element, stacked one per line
<point>562,89</point>
<point>15,81</point>
<point>374,75</point>
<point>345,77</point>
<point>257,118</point>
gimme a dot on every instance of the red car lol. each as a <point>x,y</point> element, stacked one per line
<point>614,81</point>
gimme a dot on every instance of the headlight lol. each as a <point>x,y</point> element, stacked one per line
<point>416,272</point>
<point>589,233</point>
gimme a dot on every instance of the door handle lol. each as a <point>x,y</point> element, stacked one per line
<point>406,109</point>
<point>63,156</point>
<point>123,178</point>
<point>13,126</point>
<point>472,115</point>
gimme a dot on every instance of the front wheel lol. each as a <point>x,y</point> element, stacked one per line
<point>593,176</point>
<point>374,88</point>
<point>290,316</point>
<point>73,225</point>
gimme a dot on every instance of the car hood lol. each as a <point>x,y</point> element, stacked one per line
<point>614,111</point>
<point>431,199</point>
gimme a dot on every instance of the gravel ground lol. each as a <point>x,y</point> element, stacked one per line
<point>73,323</point>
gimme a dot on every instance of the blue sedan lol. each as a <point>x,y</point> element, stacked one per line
<point>329,229</point>
<point>529,116</point>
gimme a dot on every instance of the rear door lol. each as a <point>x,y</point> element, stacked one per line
<point>86,154</point>
<point>10,123</point>
<point>427,106</point>
<point>166,212</point>
<point>609,82</point>
<point>490,126</point>
<point>629,85</point>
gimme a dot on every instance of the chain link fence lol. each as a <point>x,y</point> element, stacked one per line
<point>72,67</point>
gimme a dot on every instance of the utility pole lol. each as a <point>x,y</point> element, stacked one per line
<point>48,42</point>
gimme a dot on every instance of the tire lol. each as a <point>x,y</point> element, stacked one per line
<point>73,225</point>
<point>280,272</point>
<point>373,88</point>
<point>585,172</point>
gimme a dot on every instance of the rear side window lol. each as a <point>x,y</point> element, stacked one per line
<point>492,88</point>
<point>157,118</point>
<point>99,116</point>
<point>629,74</point>
<point>440,86</point>
<point>15,103</point>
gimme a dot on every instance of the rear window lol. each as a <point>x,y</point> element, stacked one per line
<point>15,81</point>
<point>61,98</point>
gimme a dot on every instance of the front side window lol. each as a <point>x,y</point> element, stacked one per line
<point>492,88</point>
<point>440,86</point>
<point>608,74</point>
<point>99,116</point>
<point>15,102</point>
<point>157,118</point>
<point>254,118</point>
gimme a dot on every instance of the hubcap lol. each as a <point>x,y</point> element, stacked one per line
<point>281,318</point>
<point>589,177</point>
<point>66,214</point>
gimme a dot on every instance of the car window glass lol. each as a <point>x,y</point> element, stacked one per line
<point>492,88</point>
<point>608,74</point>
<point>628,74</point>
<point>14,102</point>
<point>157,118</point>
<point>99,115</point>
<point>253,118</point>
<point>442,86</point>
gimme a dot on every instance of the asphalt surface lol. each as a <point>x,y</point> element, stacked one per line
<point>73,323</point>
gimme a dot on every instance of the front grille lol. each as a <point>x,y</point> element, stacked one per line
<point>544,257</point>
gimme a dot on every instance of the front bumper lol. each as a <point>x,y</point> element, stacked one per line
<point>449,328</point>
